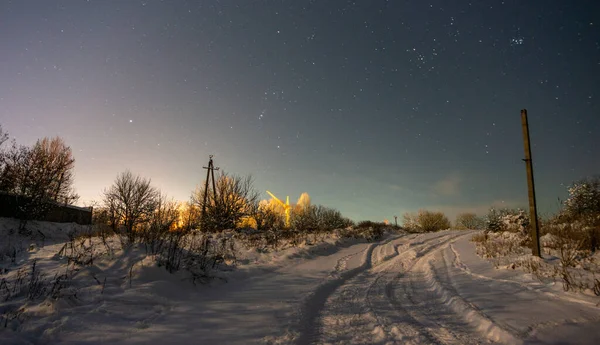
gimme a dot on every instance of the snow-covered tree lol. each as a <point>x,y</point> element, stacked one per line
<point>584,199</point>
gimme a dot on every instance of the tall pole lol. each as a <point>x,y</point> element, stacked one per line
<point>535,231</point>
<point>206,186</point>
<point>210,171</point>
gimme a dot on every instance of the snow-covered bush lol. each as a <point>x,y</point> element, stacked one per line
<point>583,207</point>
<point>196,253</point>
<point>500,244</point>
<point>366,229</point>
<point>507,220</point>
<point>584,199</point>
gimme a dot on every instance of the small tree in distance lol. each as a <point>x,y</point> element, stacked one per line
<point>468,220</point>
<point>426,221</point>
<point>131,201</point>
<point>234,199</point>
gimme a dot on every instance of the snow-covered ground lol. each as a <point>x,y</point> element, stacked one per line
<point>404,289</point>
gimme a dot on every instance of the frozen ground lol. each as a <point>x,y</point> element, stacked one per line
<point>405,289</point>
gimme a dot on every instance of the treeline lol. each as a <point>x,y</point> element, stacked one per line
<point>428,221</point>
<point>43,174</point>
<point>132,207</point>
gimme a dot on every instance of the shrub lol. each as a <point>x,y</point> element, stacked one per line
<point>317,218</point>
<point>366,229</point>
<point>266,218</point>
<point>583,207</point>
<point>233,199</point>
<point>584,199</point>
<point>468,221</point>
<point>513,220</point>
<point>426,221</point>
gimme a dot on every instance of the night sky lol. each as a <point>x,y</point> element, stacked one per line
<point>375,107</point>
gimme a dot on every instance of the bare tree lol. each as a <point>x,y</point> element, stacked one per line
<point>164,219</point>
<point>3,136</point>
<point>468,220</point>
<point>45,171</point>
<point>15,168</point>
<point>54,164</point>
<point>42,175</point>
<point>131,201</point>
<point>233,199</point>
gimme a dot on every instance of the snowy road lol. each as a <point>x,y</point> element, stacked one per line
<point>412,289</point>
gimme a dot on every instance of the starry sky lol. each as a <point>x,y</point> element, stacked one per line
<point>373,107</point>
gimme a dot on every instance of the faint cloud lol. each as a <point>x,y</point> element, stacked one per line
<point>395,187</point>
<point>448,186</point>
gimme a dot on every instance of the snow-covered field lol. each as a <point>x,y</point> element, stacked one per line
<point>404,289</point>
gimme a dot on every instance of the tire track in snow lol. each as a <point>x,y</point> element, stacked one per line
<point>439,308</point>
<point>342,263</point>
<point>413,328</point>
<point>361,311</point>
<point>314,304</point>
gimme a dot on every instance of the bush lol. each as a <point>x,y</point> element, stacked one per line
<point>317,218</point>
<point>233,199</point>
<point>426,221</point>
<point>468,221</point>
<point>583,207</point>
<point>366,229</point>
<point>267,219</point>
<point>513,220</point>
<point>584,200</point>
<point>305,219</point>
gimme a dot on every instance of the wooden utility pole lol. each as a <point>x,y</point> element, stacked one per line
<point>535,231</point>
<point>396,220</point>
<point>210,172</point>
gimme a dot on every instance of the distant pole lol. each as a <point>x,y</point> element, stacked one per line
<point>209,172</point>
<point>396,220</point>
<point>535,231</point>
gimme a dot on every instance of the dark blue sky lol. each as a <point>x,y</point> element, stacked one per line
<point>372,107</point>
